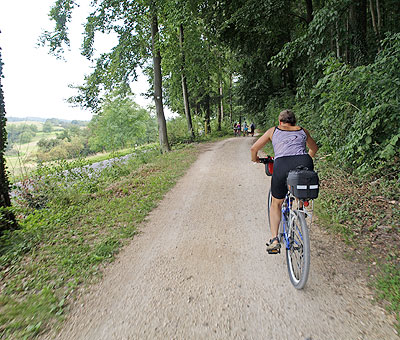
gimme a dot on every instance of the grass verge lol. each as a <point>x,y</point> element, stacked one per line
<point>366,213</point>
<point>84,219</point>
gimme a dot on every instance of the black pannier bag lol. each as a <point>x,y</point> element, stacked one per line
<point>303,183</point>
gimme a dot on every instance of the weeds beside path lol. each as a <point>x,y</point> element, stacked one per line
<point>366,214</point>
<point>80,226</point>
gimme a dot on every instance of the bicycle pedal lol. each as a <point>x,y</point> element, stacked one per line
<point>273,252</point>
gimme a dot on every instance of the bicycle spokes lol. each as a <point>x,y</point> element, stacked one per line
<point>297,252</point>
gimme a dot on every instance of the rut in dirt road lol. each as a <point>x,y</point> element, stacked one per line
<point>199,270</point>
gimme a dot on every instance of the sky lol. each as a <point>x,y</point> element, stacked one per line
<point>35,84</point>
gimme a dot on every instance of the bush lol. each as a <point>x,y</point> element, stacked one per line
<point>359,110</point>
<point>178,130</point>
<point>45,145</point>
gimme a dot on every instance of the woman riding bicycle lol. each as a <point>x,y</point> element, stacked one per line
<point>289,142</point>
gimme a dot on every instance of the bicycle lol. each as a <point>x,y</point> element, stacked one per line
<point>293,232</point>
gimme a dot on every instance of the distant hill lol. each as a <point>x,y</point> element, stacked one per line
<point>55,121</point>
<point>24,119</point>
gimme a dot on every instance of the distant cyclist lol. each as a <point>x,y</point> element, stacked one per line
<point>252,127</point>
<point>289,142</point>
<point>245,129</point>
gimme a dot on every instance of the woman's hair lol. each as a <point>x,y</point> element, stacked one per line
<point>287,116</point>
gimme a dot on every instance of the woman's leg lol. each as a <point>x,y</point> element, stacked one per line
<point>275,216</point>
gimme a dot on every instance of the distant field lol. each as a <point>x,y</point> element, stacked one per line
<point>20,164</point>
<point>18,168</point>
<point>38,124</point>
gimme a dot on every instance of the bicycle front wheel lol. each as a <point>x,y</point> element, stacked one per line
<point>298,253</point>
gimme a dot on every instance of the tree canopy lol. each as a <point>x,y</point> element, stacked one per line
<point>251,58</point>
<point>119,124</point>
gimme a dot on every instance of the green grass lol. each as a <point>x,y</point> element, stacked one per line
<point>82,226</point>
<point>354,207</point>
<point>388,287</point>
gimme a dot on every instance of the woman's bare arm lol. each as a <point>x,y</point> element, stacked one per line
<point>312,146</point>
<point>260,143</point>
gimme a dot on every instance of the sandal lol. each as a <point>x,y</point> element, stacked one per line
<point>273,247</point>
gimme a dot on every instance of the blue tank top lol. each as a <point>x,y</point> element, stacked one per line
<point>289,143</point>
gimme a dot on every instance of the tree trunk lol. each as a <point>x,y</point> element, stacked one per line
<point>346,48</point>
<point>219,115</point>
<point>337,41</point>
<point>198,108</point>
<point>7,217</point>
<point>358,32</point>
<point>220,107</point>
<point>184,87</point>
<point>208,114</point>
<point>378,13</point>
<point>309,7</point>
<point>371,9</point>
<point>162,125</point>
<point>230,99</point>
<point>221,95</point>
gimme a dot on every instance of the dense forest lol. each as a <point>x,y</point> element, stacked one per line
<point>215,62</point>
<point>334,62</point>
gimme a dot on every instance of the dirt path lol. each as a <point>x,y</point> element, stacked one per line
<point>199,270</point>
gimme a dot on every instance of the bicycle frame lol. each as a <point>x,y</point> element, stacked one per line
<point>287,206</point>
<point>285,213</point>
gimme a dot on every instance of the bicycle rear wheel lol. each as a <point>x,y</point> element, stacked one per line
<point>298,254</point>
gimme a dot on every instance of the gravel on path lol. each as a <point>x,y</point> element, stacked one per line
<point>199,270</point>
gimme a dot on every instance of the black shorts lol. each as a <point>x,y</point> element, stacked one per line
<point>282,166</point>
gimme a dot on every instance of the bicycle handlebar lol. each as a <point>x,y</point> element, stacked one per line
<point>266,160</point>
<point>269,165</point>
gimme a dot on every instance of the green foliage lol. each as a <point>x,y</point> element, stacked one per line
<point>367,216</point>
<point>73,220</point>
<point>363,105</point>
<point>121,123</point>
<point>114,70</point>
<point>48,126</point>
<point>178,131</point>
<point>45,145</point>
<point>203,62</point>
<point>62,149</point>
<point>269,116</point>
<point>21,133</point>
<point>388,286</point>
<point>352,112</point>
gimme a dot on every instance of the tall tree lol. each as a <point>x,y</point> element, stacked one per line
<point>120,123</point>
<point>7,218</point>
<point>162,126</point>
<point>184,83</point>
<point>220,106</point>
<point>135,25</point>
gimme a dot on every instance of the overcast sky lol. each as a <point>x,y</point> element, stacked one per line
<point>36,83</point>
